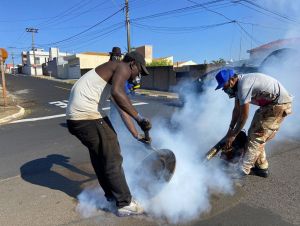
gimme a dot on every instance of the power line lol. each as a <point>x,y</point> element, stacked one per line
<point>210,10</point>
<point>102,36</point>
<point>266,10</point>
<point>176,11</point>
<point>229,19</point>
<point>181,29</point>
<point>73,8</point>
<point>71,15</point>
<point>264,26</point>
<point>91,36</point>
<point>84,31</point>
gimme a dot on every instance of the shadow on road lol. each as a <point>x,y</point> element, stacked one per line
<point>63,124</point>
<point>67,178</point>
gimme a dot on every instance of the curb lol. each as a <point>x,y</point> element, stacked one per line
<point>157,95</point>
<point>69,81</point>
<point>17,115</point>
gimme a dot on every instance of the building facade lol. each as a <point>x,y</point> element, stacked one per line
<point>31,67</point>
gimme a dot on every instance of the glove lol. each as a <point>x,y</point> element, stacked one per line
<point>143,139</point>
<point>144,123</point>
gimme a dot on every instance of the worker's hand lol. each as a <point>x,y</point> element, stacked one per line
<point>229,141</point>
<point>144,123</point>
<point>142,138</point>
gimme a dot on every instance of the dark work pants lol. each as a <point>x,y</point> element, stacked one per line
<point>101,139</point>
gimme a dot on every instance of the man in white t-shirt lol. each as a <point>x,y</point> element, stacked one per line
<point>275,104</point>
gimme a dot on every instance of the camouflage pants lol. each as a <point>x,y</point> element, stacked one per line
<point>264,126</point>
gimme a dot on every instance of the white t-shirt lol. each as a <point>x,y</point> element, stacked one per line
<point>87,97</point>
<point>260,89</point>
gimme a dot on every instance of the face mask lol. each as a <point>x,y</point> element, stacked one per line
<point>230,92</point>
<point>115,58</point>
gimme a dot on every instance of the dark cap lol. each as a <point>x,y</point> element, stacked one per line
<point>134,55</point>
<point>116,51</point>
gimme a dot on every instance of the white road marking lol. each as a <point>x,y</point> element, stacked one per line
<point>39,118</point>
<point>62,87</point>
<point>10,178</point>
<point>62,104</point>
<point>63,115</point>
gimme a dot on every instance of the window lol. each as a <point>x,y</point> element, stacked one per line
<point>37,60</point>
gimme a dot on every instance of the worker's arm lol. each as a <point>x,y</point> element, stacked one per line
<point>126,119</point>
<point>121,75</point>
<point>234,117</point>
<point>244,112</point>
<point>241,121</point>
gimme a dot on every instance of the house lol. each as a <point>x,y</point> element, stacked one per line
<point>80,63</point>
<point>147,53</point>
<point>41,59</point>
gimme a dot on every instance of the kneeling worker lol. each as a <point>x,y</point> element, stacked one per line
<point>275,104</point>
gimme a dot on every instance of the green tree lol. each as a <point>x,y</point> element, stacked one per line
<point>220,61</point>
<point>162,62</point>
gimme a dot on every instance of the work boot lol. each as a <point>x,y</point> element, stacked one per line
<point>134,208</point>
<point>259,172</point>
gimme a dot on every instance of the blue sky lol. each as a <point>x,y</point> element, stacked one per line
<point>204,32</point>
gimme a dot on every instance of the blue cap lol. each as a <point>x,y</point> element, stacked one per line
<point>223,76</point>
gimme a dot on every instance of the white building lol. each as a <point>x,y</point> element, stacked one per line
<point>41,57</point>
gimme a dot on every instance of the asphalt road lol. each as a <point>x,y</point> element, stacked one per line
<point>33,145</point>
<point>42,131</point>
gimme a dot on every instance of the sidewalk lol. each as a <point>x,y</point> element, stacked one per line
<point>12,110</point>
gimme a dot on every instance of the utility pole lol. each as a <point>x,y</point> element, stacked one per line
<point>240,47</point>
<point>127,25</point>
<point>3,56</point>
<point>12,57</point>
<point>33,30</point>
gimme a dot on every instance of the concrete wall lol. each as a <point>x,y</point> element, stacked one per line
<point>63,68</point>
<point>74,68</point>
<point>51,68</point>
<point>57,69</point>
<point>29,70</point>
<point>165,78</point>
<point>160,78</point>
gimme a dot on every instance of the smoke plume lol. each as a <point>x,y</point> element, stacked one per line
<point>200,124</point>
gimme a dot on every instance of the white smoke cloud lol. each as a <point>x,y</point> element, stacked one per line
<point>200,124</point>
<point>286,67</point>
<point>286,70</point>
